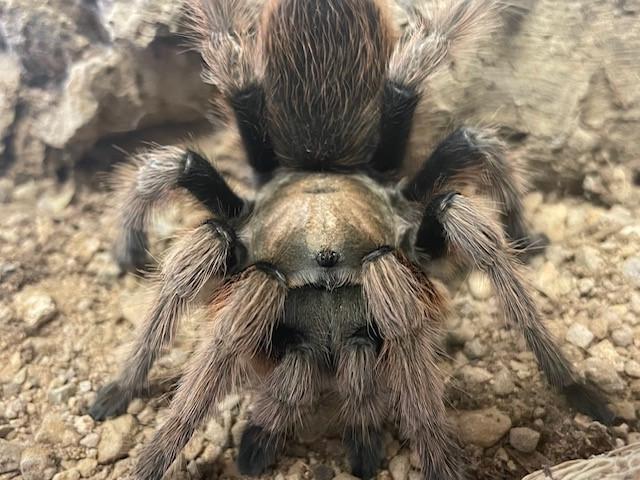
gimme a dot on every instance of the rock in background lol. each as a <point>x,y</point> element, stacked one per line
<point>559,80</point>
<point>77,71</point>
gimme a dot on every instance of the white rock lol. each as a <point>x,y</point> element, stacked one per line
<point>631,270</point>
<point>604,374</point>
<point>623,336</point>
<point>579,335</point>
<point>551,220</point>
<point>503,383</point>
<point>35,307</point>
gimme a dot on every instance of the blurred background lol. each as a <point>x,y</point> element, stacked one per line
<point>85,82</point>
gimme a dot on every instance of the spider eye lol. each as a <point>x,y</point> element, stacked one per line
<point>327,258</point>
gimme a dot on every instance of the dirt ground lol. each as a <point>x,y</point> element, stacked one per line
<point>66,314</point>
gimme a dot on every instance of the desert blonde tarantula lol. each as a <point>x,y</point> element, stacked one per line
<point>321,281</point>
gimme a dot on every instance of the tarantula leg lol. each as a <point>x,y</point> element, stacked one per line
<point>246,313</point>
<point>407,308</point>
<point>363,401</point>
<point>399,104</point>
<point>477,158</point>
<point>287,394</point>
<point>248,106</point>
<point>474,238</point>
<point>204,254</point>
<point>160,172</point>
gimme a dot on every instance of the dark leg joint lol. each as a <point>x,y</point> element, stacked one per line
<point>111,401</point>
<point>257,451</point>
<point>431,237</point>
<point>207,185</point>
<point>586,399</point>
<point>272,271</point>
<point>365,451</point>
<point>377,253</point>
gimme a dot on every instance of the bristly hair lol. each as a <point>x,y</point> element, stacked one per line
<point>440,30</point>
<point>225,34</point>
<point>324,72</point>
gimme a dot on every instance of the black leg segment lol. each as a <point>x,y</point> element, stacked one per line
<point>248,106</point>
<point>399,104</point>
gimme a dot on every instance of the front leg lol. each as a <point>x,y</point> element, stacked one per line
<point>246,316</point>
<point>477,159</point>
<point>475,240</point>
<point>407,309</point>
<point>206,253</point>
<point>149,182</point>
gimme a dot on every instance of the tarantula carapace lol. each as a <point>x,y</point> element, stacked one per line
<point>321,281</point>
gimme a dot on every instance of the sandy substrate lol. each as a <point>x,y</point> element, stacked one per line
<point>66,313</point>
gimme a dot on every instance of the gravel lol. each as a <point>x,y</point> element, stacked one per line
<point>53,359</point>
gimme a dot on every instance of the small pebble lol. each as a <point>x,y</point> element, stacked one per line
<point>36,464</point>
<point>35,308</point>
<point>604,374</point>
<point>10,454</point>
<point>83,424</point>
<point>625,410</point>
<point>87,467</point>
<point>524,439</point>
<point>116,439</point>
<point>631,270</point>
<point>216,433</point>
<point>345,476</point>
<point>475,375</point>
<point>622,337</point>
<point>399,467</point>
<point>91,440</point>
<point>632,368</point>
<point>503,383</point>
<point>479,286</point>
<point>60,395</point>
<point>54,431</point>
<point>136,406</point>
<point>605,351</point>
<point>72,474</point>
<point>579,335</point>
<point>483,427</point>
<point>589,259</point>
<point>475,349</point>
<point>322,472</point>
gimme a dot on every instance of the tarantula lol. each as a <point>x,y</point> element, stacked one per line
<point>321,281</point>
